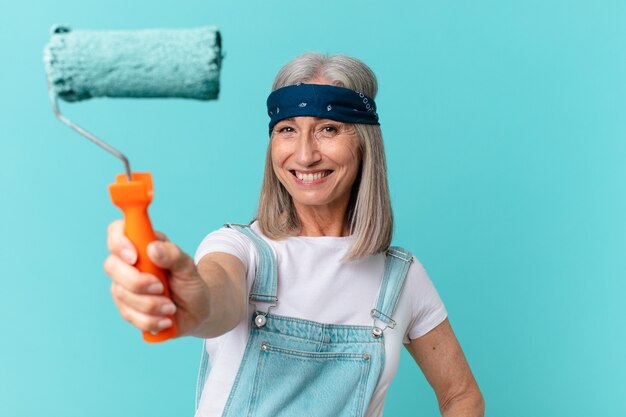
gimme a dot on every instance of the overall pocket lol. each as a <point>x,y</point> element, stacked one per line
<point>290,383</point>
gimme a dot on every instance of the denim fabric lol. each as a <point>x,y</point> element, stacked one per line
<point>203,373</point>
<point>295,367</point>
<point>397,265</point>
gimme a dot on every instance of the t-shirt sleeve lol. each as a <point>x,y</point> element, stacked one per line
<point>225,240</point>
<point>427,307</point>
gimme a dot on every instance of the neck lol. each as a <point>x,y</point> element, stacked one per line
<point>322,220</point>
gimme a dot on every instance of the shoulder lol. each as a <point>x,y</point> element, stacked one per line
<point>418,282</point>
<point>427,307</point>
<point>415,270</point>
<point>228,240</point>
<point>419,289</point>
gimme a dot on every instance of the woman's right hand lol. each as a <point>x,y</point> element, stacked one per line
<point>139,296</point>
<point>206,301</point>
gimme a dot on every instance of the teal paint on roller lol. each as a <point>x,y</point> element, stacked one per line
<point>149,63</point>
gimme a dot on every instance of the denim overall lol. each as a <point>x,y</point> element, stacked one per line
<point>293,367</point>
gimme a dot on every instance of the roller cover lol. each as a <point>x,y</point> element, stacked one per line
<point>183,63</point>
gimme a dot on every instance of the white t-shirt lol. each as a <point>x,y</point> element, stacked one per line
<point>314,283</point>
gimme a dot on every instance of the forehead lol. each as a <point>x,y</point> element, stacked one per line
<point>307,119</point>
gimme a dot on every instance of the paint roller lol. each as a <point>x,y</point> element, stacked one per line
<point>152,63</point>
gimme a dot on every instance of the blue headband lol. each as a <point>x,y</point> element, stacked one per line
<point>321,100</point>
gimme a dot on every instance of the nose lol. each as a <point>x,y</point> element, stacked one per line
<point>307,152</point>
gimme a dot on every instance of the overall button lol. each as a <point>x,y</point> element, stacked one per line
<point>260,320</point>
<point>377,332</point>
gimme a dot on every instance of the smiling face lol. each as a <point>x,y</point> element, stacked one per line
<point>317,161</point>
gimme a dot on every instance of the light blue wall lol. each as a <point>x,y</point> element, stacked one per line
<point>506,138</point>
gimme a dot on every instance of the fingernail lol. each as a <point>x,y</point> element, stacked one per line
<point>168,309</point>
<point>164,324</point>
<point>128,256</point>
<point>158,250</point>
<point>156,288</point>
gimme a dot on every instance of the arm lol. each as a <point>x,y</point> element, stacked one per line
<point>207,300</point>
<point>225,278</point>
<point>442,361</point>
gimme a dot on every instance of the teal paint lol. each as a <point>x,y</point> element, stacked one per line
<point>504,129</point>
<point>182,63</point>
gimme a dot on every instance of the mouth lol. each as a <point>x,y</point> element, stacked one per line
<point>310,177</point>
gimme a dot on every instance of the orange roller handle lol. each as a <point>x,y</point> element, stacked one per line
<point>133,198</point>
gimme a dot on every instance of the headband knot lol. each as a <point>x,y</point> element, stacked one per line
<point>321,100</point>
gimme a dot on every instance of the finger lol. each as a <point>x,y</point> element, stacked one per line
<point>151,305</point>
<point>119,244</point>
<point>130,278</point>
<point>169,256</point>
<point>161,236</point>
<point>143,321</point>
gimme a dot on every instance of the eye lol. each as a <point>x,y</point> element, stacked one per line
<point>328,130</point>
<point>284,129</point>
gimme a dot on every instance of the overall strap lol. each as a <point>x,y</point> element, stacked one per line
<point>265,283</point>
<point>203,374</point>
<point>397,264</point>
<point>263,290</point>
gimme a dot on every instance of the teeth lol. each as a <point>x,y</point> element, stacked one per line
<point>310,177</point>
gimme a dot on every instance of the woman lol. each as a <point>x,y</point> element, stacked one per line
<point>305,310</point>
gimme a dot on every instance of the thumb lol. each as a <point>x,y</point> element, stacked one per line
<point>167,255</point>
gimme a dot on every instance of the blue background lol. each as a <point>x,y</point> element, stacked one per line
<point>505,134</point>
